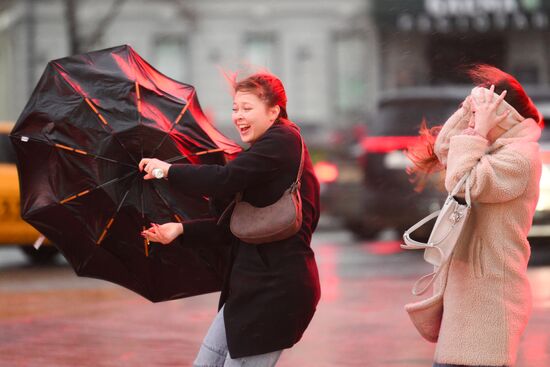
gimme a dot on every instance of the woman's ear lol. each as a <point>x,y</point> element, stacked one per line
<point>274,112</point>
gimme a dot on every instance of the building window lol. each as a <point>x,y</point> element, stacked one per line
<point>172,57</point>
<point>527,73</point>
<point>306,84</point>
<point>349,67</point>
<point>259,50</point>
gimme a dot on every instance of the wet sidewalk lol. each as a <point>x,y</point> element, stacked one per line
<point>49,317</point>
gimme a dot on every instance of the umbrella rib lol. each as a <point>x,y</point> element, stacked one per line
<point>71,149</point>
<point>182,112</point>
<point>140,122</point>
<point>165,202</point>
<point>112,220</point>
<point>138,102</point>
<point>63,75</point>
<point>145,239</point>
<point>105,123</point>
<point>85,192</point>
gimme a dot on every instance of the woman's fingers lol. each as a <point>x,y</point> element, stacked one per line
<point>157,233</point>
<point>484,100</point>
<point>146,165</point>
<point>143,163</point>
<point>150,235</point>
<point>160,233</point>
<point>492,92</point>
<point>501,97</point>
<point>149,164</point>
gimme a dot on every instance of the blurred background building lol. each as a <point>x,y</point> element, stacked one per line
<point>324,51</point>
<point>360,74</point>
<point>426,42</point>
<point>334,56</point>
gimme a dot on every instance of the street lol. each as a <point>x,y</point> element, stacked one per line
<point>50,317</point>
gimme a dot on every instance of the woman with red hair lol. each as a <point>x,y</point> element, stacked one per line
<point>272,289</point>
<point>493,136</point>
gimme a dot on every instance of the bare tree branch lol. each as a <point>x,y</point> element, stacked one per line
<point>72,27</point>
<point>184,10</point>
<point>103,24</point>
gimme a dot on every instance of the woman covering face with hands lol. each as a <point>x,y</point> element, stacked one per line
<point>493,137</point>
<point>271,290</point>
<point>485,119</point>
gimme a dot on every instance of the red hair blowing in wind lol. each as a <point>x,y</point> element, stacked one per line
<point>422,154</point>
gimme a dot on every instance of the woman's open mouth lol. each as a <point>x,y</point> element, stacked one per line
<point>243,129</point>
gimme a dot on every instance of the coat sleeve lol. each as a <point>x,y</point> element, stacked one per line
<point>204,233</point>
<point>261,163</point>
<point>452,127</point>
<point>496,177</point>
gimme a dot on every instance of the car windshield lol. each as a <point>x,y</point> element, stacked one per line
<point>402,117</point>
<point>7,154</point>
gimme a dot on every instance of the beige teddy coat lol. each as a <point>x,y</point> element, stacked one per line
<point>487,301</point>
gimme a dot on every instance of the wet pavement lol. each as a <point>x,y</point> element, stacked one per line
<point>50,317</point>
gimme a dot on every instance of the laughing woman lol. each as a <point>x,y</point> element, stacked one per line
<point>272,289</point>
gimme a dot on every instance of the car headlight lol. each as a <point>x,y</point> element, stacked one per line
<point>544,198</point>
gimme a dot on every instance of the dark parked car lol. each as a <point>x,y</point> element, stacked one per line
<point>384,197</point>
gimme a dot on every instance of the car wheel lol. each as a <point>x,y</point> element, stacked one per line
<point>44,255</point>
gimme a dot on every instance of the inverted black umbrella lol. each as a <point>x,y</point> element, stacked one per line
<point>88,123</point>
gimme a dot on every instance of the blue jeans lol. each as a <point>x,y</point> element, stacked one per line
<point>454,365</point>
<point>214,351</point>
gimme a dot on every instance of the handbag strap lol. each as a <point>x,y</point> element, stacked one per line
<point>296,184</point>
<point>466,179</point>
<point>411,244</point>
<point>418,290</point>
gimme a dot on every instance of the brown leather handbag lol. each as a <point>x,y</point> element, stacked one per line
<point>274,222</point>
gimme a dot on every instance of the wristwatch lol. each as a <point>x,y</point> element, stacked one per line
<point>158,173</point>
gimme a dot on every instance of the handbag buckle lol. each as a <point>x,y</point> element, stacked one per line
<point>456,216</point>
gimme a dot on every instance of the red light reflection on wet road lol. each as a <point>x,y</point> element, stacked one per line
<point>49,317</point>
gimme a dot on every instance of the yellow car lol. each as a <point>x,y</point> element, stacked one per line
<point>13,230</point>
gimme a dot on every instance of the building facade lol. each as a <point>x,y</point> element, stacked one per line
<point>323,50</point>
<point>429,42</point>
<point>334,56</point>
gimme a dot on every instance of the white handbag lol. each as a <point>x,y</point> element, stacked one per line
<point>444,236</point>
<point>426,315</point>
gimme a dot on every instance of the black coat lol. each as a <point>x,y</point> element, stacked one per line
<point>271,290</point>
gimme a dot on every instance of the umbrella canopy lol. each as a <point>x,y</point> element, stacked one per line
<point>88,123</point>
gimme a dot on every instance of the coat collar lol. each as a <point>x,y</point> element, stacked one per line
<point>525,131</point>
